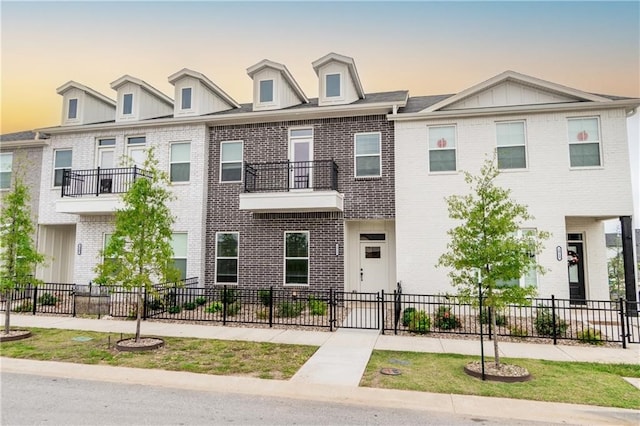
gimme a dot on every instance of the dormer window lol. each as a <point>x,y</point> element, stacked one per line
<point>73,109</point>
<point>127,103</point>
<point>332,86</point>
<point>186,98</point>
<point>266,91</point>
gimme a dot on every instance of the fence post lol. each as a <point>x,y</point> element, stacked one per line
<point>395,312</point>
<point>382,304</point>
<point>331,311</point>
<point>35,299</point>
<point>224,305</point>
<point>553,320</point>
<point>622,324</point>
<point>145,305</point>
<point>490,315</point>
<point>271,306</point>
<point>73,298</point>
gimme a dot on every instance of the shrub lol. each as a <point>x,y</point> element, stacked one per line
<point>264,296</point>
<point>155,304</point>
<point>544,323</point>
<point>47,299</point>
<point>228,297</point>
<point>24,307</point>
<point>419,322</point>
<point>175,309</point>
<point>406,316</point>
<point>200,300</point>
<point>288,309</point>
<point>445,319</point>
<point>590,336</point>
<point>517,331</point>
<point>233,309</point>
<point>485,318</point>
<point>214,307</point>
<point>170,298</point>
<point>189,306</point>
<point>317,307</point>
<point>262,313</point>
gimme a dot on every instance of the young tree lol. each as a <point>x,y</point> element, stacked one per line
<point>615,268</point>
<point>488,243</point>
<point>18,255</point>
<point>139,251</point>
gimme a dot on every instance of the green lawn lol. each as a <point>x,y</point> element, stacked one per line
<point>572,382</point>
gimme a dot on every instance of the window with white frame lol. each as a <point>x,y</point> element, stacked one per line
<point>442,148</point>
<point>6,164</point>
<point>105,243</point>
<point>136,150</point>
<point>333,85</point>
<point>127,103</point>
<point>296,258</point>
<point>61,162</point>
<point>584,142</point>
<point>179,247</point>
<point>231,161</point>
<point>266,91</point>
<point>185,98</point>
<point>180,167</point>
<point>227,257</point>
<point>73,109</point>
<point>368,158</point>
<point>529,278</point>
<point>511,145</point>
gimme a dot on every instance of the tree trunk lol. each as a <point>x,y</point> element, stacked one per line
<point>494,331</point>
<point>7,310</point>
<point>139,314</point>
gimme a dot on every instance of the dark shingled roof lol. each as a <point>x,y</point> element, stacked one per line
<point>18,136</point>
<point>418,103</point>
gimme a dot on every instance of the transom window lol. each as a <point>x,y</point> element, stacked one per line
<point>127,103</point>
<point>584,142</point>
<point>333,85</point>
<point>180,167</point>
<point>296,258</point>
<point>107,142</point>
<point>186,98</point>
<point>367,155</point>
<point>61,162</point>
<point>442,148</point>
<point>179,247</point>
<point>231,161</point>
<point>511,142</point>
<point>227,257</point>
<point>6,163</point>
<point>266,91</point>
<point>73,108</point>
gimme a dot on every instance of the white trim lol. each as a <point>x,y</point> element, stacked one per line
<point>265,63</point>
<point>237,257</point>
<point>171,162</point>
<point>8,154</point>
<point>339,96</point>
<point>73,85</point>
<point>124,95</point>
<point>284,262</point>
<point>152,90</point>
<point>274,99</point>
<point>185,72</point>
<point>241,161</point>
<point>351,66</point>
<point>101,149</point>
<point>301,139</point>
<point>55,151</point>
<point>186,254</point>
<point>191,91</point>
<point>524,145</point>
<point>455,149</point>
<point>355,155</point>
<point>598,142</point>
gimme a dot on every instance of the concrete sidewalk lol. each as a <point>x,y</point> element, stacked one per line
<point>333,373</point>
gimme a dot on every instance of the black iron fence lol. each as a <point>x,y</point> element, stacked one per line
<point>282,176</point>
<point>551,319</point>
<point>76,183</point>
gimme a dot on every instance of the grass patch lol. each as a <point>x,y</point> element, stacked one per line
<point>571,382</point>
<point>206,356</point>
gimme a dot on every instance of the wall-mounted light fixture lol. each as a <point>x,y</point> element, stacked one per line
<point>559,253</point>
<point>79,249</point>
<point>337,249</point>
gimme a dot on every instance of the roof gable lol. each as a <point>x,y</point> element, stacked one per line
<point>115,85</point>
<point>185,72</point>
<point>69,85</point>
<point>349,62</point>
<point>512,89</point>
<point>284,72</point>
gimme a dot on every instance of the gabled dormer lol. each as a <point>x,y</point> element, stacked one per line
<point>82,105</point>
<point>137,100</point>
<point>339,83</point>
<point>274,87</point>
<point>196,95</point>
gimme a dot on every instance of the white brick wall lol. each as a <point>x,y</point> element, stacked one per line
<point>188,207</point>
<point>554,193</point>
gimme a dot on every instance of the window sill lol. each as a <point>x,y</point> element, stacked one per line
<point>368,177</point>
<point>181,183</point>
<point>587,168</point>
<point>444,173</point>
<point>513,170</point>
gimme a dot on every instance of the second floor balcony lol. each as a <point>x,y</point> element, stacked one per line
<point>288,186</point>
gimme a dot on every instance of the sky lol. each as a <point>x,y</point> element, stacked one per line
<point>421,46</point>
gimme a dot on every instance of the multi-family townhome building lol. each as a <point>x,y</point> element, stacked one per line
<point>301,191</point>
<point>99,149</point>
<point>562,152</point>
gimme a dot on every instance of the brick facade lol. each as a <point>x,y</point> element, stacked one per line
<point>261,244</point>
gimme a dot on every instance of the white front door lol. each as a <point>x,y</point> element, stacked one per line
<point>373,263</point>
<point>106,158</point>
<point>301,157</point>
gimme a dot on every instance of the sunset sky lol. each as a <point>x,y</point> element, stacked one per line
<point>425,47</point>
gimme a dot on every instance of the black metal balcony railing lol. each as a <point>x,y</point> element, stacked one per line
<point>282,176</point>
<point>76,183</point>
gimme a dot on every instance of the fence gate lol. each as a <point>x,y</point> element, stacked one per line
<point>358,310</point>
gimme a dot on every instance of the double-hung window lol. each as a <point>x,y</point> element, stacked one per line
<point>186,98</point>
<point>61,162</point>
<point>530,277</point>
<point>367,155</point>
<point>333,85</point>
<point>266,91</point>
<point>179,247</point>
<point>296,258</point>
<point>73,109</point>
<point>227,257</point>
<point>127,104</point>
<point>442,148</point>
<point>6,163</point>
<point>231,161</point>
<point>180,168</point>
<point>584,142</point>
<point>511,149</point>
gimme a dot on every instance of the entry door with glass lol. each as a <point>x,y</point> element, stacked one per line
<point>575,260</point>
<point>301,158</point>
<point>106,160</point>
<point>136,147</point>
<point>373,263</point>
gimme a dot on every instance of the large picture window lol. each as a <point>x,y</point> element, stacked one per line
<point>584,142</point>
<point>296,258</point>
<point>367,155</point>
<point>6,164</point>
<point>227,257</point>
<point>511,147</point>
<point>231,161</point>
<point>180,167</point>
<point>61,162</point>
<point>442,148</point>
